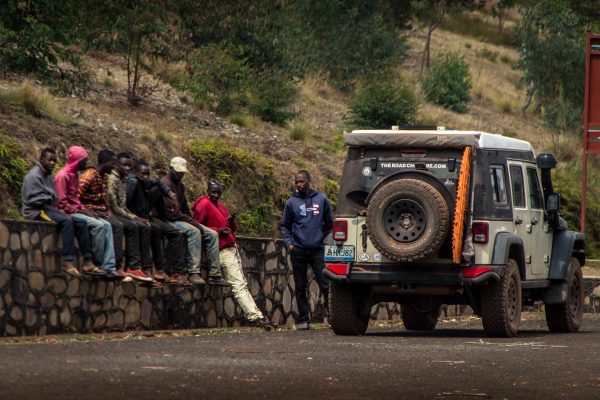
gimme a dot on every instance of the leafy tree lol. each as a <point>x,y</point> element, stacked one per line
<point>345,38</point>
<point>552,55</point>
<point>35,37</point>
<point>431,13</point>
<point>139,29</point>
<point>382,102</point>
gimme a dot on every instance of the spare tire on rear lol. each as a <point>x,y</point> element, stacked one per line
<point>408,219</point>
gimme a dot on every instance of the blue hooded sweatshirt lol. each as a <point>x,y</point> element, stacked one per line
<point>306,220</point>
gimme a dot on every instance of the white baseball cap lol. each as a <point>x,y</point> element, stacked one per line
<point>179,164</point>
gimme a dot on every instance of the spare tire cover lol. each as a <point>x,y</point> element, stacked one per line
<point>407,219</point>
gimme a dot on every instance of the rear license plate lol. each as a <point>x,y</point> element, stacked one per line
<point>339,253</point>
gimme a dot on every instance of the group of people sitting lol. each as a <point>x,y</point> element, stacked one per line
<point>99,205</point>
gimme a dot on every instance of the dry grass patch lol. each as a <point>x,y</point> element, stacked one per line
<point>36,102</point>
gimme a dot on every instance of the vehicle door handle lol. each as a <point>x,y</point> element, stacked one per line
<point>534,221</point>
<point>518,221</point>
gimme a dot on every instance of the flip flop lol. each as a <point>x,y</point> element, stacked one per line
<point>72,271</point>
<point>94,271</point>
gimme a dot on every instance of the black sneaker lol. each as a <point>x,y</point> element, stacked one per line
<point>262,323</point>
<point>218,281</point>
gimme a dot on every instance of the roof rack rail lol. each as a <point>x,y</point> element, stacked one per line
<point>418,128</point>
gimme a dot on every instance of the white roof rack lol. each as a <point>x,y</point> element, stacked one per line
<point>484,140</point>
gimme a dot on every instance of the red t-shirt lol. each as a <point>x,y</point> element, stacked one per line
<point>214,217</point>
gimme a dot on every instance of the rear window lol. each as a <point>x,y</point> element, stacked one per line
<point>518,188</point>
<point>498,184</point>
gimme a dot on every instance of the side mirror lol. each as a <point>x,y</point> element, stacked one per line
<point>553,202</point>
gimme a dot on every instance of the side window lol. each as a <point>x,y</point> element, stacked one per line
<point>535,194</point>
<point>498,184</point>
<point>518,188</point>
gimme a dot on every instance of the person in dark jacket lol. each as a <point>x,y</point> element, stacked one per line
<point>40,203</point>
<point>142,194</point>
<point>307,219</point>
<point>177,213</point>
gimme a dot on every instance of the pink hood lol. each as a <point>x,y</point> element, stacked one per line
<point>66,181</point>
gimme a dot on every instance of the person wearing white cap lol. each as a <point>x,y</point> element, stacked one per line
<point>178,214</point>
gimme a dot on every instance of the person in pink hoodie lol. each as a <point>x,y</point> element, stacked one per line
<point>66,183</point>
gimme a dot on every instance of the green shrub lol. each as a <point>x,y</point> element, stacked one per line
<point>382,102</point>
<point>300,132</point>
<point>243,120</point>
<point>567,181</point>
<point>332,187</point>
<point>12,167</point>
<point>448,83</point>
<point>217,79</point>
<point>241,172</point>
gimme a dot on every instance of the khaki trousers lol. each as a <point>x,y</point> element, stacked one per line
<point>231,265</point>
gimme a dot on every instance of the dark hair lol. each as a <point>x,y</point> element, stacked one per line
<point>124,154</point>
<point>305,172</point>
<point>139,164</point>
<point>214,182</point>
<point>46,151</point>
<point>105,155</point>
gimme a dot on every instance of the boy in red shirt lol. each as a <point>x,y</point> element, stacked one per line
<point>210,212</point>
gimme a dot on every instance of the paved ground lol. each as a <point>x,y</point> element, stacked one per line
<point>454,362</point>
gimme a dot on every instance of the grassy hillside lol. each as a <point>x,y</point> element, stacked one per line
<point>255,159</point>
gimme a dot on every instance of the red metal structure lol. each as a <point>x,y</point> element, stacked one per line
<point>591,112</point>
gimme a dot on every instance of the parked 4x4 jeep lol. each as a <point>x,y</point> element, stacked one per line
<point>432,217</point>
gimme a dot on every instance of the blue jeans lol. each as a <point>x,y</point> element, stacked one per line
<point>69,228</point>
<point>209,239</point>
<point>102,240</point>
<point>193,256</point>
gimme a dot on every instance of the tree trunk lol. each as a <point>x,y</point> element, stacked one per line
<point>528,98</point>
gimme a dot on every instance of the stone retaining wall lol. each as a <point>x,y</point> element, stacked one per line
<point>36,298</point>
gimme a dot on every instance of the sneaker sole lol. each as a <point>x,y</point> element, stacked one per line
<point>139,278</point>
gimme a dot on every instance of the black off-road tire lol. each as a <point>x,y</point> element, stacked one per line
<point>501,304</point>
<point>415,319</point>
<point>567,317</point>
<point>349,308</point>
<point>429,215</point>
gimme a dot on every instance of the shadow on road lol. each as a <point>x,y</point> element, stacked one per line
<point>455,333</point>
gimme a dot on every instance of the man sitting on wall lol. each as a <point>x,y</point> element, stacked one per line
<point>177,213</point>
<point>93,192</point>
<point>210,212</point>
<point>138,246</point>
<point>39,203</point>
<point>140,202</point>
<point>66,183</point>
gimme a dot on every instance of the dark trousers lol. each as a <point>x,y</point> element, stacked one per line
<point>137,243</point>
<point>128,227</point>
<point>69,228</point>
<point>301,259</point>
<point>175,255</point>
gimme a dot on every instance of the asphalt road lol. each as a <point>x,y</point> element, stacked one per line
<point>456,361</point>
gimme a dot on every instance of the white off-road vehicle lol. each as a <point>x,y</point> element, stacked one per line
<point>430,217</point>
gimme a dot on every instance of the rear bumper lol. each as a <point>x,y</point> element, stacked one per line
<point>430,275</point>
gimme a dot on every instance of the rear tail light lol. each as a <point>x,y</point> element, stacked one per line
<point>338,269</point>
<point>481,232</point>
<point>472,272</point>
<point>340,229</point>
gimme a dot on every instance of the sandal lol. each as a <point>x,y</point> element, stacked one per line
<point>94,271</point>
<point>71,270</point>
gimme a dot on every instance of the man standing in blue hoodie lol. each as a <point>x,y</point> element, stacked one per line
<point>307,219</point>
